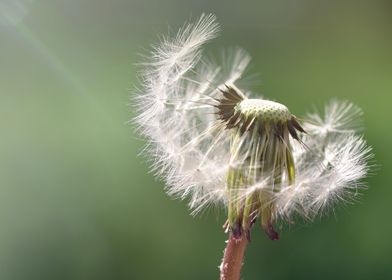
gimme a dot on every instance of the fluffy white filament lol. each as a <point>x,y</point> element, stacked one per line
<point>190,147</point>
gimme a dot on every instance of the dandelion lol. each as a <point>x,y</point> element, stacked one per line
<point>214,143</point>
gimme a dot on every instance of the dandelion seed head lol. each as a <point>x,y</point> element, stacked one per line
<point>213,142</point>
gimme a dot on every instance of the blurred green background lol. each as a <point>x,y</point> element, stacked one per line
<point>76,201</point>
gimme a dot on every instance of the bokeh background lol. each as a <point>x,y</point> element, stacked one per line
<point>76,201</point>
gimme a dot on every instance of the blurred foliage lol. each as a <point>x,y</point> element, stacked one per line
<point>78,203</point>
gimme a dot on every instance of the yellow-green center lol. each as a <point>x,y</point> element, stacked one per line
<point>264,109</point>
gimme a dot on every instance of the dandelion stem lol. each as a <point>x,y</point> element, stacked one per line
<point>230,268</point>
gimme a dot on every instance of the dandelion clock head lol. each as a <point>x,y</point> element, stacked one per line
<point>215,143</point>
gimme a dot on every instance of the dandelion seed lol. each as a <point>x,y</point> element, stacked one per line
<point>215,143</point>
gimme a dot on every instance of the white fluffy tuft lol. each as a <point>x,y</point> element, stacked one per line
<point>190,148</point>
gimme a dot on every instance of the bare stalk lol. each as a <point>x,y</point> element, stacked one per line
<point>230,268</point>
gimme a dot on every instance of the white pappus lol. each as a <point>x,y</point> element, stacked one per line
<point>213,143</point>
